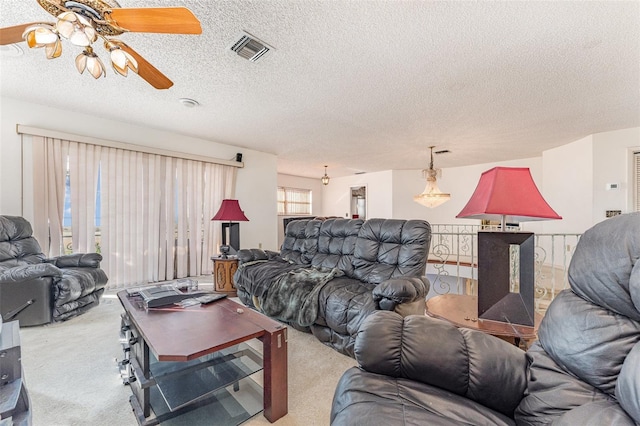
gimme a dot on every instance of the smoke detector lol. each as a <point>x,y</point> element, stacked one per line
<point>189,103</point>
<point>249,47</point>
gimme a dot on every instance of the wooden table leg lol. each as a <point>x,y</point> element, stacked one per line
<point>275,374</point>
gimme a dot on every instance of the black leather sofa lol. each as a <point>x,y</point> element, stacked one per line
<point>584,369</point>
<point>331,274</point>
<point>35,290</point>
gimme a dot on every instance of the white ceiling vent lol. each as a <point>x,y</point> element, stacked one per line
<point>249,47</point>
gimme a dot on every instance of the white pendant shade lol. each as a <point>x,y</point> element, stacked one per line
<point>431,196</point>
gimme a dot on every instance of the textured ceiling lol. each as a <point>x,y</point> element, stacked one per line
<point>365,85</point>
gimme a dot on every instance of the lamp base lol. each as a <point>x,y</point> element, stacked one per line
<point>495,299</point>
<point>224,251</point>
<point>511,309</point>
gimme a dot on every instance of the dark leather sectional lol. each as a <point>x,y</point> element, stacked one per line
<point>380,265</point>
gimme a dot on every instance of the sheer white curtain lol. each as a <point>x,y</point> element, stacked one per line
<point>84,164</point>
<point>123,206</point>
<point>155,210</point>
<point>159,224</point>
<point>49,176</point>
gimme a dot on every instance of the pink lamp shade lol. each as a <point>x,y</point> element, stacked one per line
<point>507,194</point>
<point>230,210</point>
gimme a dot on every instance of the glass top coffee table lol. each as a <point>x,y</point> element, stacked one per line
<point>190,360</point>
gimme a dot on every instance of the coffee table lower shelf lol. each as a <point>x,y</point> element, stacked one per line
<point>220,388</point>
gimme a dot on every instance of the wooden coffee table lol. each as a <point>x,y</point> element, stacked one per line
<point>173,352</point>
<point>462,311</point>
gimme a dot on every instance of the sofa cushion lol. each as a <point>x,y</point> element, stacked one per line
<point>336,244</point>
<point>344,303</point>
<point>551,392</point>
<point>17,246</point>
<point>301,241</point>
<point>389,248</point>
<point>589,341</point>
<point>364,398</point>
<point>601,272</point>
<point>466,362</point>
<point>628,385</point>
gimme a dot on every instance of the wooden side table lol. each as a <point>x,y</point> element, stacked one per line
<point>223,270</point>
<point>462,311</point>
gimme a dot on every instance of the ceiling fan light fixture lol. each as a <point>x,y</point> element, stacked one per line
<point>76,28</point>
<point>83,22</point>
<point>121,61</point>
<point>90,62</point>
<point>53,50</point>
<point>40,35</point>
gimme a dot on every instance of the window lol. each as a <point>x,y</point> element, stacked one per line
<point>148,214</point>
<point>293,201</point>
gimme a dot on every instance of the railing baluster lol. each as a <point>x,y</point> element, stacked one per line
<point>455,249</point>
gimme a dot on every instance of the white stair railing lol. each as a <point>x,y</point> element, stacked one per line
<point>452,265</point>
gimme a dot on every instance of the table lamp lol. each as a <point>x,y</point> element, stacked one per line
<point>508,195</point>
<point>230,211</point>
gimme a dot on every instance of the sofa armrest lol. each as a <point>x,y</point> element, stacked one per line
<point>250,255</point>
<point>466,362</point>
<point>29,272</point>
<point>389,294</point>
<point>77,260</point>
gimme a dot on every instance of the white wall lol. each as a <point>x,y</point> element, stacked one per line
<point>613,155</point>
<point>576,175</point>
<point>256,182</point>
<point>336,197</point>
<point>568,185</point>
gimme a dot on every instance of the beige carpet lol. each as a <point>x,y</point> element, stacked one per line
<point>72,377</point>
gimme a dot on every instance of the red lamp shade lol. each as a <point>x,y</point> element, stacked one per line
<point>508,193</point>
<point>230,210</point>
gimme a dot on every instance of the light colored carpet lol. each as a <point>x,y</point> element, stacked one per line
<point>72,377</point>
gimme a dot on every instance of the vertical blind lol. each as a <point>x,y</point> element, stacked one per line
<point>154,214</point>
<point>636,188</point>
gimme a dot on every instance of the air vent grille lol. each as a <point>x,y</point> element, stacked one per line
<point>250,48</point>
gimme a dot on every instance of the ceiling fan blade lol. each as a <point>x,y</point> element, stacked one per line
<point>148,71</point>
<point>11,35</point>
<point>171,20</point>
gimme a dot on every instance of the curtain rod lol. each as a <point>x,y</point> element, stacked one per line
<point>35,131</point>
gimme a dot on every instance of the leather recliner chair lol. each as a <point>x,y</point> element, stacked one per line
<point>35,290</point>
<point>583,370</point>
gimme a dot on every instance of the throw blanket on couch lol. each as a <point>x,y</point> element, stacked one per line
<point>293,296</point>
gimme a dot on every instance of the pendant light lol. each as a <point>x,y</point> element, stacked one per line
<point>431,196</point>
<point>325,178</point>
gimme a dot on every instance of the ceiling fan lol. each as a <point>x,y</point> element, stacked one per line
<point>83,22</point>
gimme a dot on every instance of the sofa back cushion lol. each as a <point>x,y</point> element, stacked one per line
<point>389,248</point>
<point>300,241</point>
<point>466,362</point>
<point>336,244</point>
<point>17,246</point>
